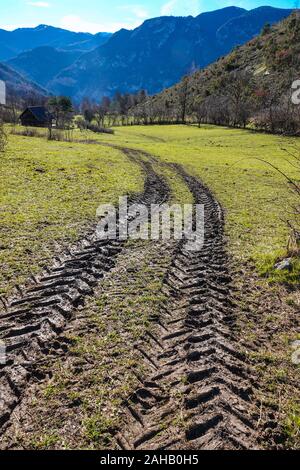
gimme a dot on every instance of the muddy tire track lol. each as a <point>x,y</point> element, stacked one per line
<point>198,390</point>
<point>40,312</point>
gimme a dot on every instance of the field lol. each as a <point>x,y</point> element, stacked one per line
<point>49,193</point>
<point>255,197</point>
<point>48,198</point>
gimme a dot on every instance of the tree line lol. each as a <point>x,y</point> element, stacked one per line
<point>249,87</point>
<point>238,100</point>
<point>111,112</point>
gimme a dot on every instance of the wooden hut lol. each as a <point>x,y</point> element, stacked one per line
<point>36,116</point>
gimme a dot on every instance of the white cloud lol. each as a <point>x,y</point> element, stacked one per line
<point>12,27</point>
<point>78,24</point>
<point>168,8</point>
<point>181,8</point>
<point>39,4</point>
<point>138,11</point>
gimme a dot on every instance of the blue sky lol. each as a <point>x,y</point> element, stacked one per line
<point>109,15</point>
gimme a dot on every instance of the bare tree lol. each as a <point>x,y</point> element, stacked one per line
<point>200,111</point>
<point>3,137</point>
<point>183,96</point>
<point>87,109</point>
<point>101,111</point>
<point>14,104</point>
<point>239,91</point>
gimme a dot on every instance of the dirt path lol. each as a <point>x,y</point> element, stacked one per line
<point>196,391</point>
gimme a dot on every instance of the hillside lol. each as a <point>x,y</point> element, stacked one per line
<point>18,85</point>
<point>257,76</point>
<point>39,54</point>
<point>158,53</point>
<point>43,63</point>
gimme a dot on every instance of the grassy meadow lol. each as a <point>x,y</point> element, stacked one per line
<point>256,199</point>
<point>50,190</point>
<point>49,195</point>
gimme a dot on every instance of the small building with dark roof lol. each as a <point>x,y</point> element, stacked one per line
<point>36,116</point>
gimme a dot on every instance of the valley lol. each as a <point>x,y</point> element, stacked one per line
<point>152,57</point>
<point>150,230</point>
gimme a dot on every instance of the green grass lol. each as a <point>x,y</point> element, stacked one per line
<point>50,190</point>
<point>81,402</point>
<point>255,197</point>
<point>292,423</point>
<point>45,441</point>
<point>49,194</point>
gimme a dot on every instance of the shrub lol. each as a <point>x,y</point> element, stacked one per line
<point>56,134</point>
<point>266,29</point>
<point>3,139</point>
<point>99,130</point>
<point>81,123</point>
<point>27,132</point>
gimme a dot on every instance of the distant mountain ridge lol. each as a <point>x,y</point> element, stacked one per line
<point>43,63</point>
<point>34,56</point>
<point>158,53</point>
<point>13,43</point>
<point>154,56</point>
<point>241,31</point>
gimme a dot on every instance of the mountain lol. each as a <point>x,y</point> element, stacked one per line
<point>17,85</point>
<point>13,43</point>
<point>239,31</point>
<point>159,52</point>
<point>43,63</point>
<point>251,84</point>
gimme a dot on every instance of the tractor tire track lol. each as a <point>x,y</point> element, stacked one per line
<point>40,312</point>
<point>198,389</point>
<point>197,393</point>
